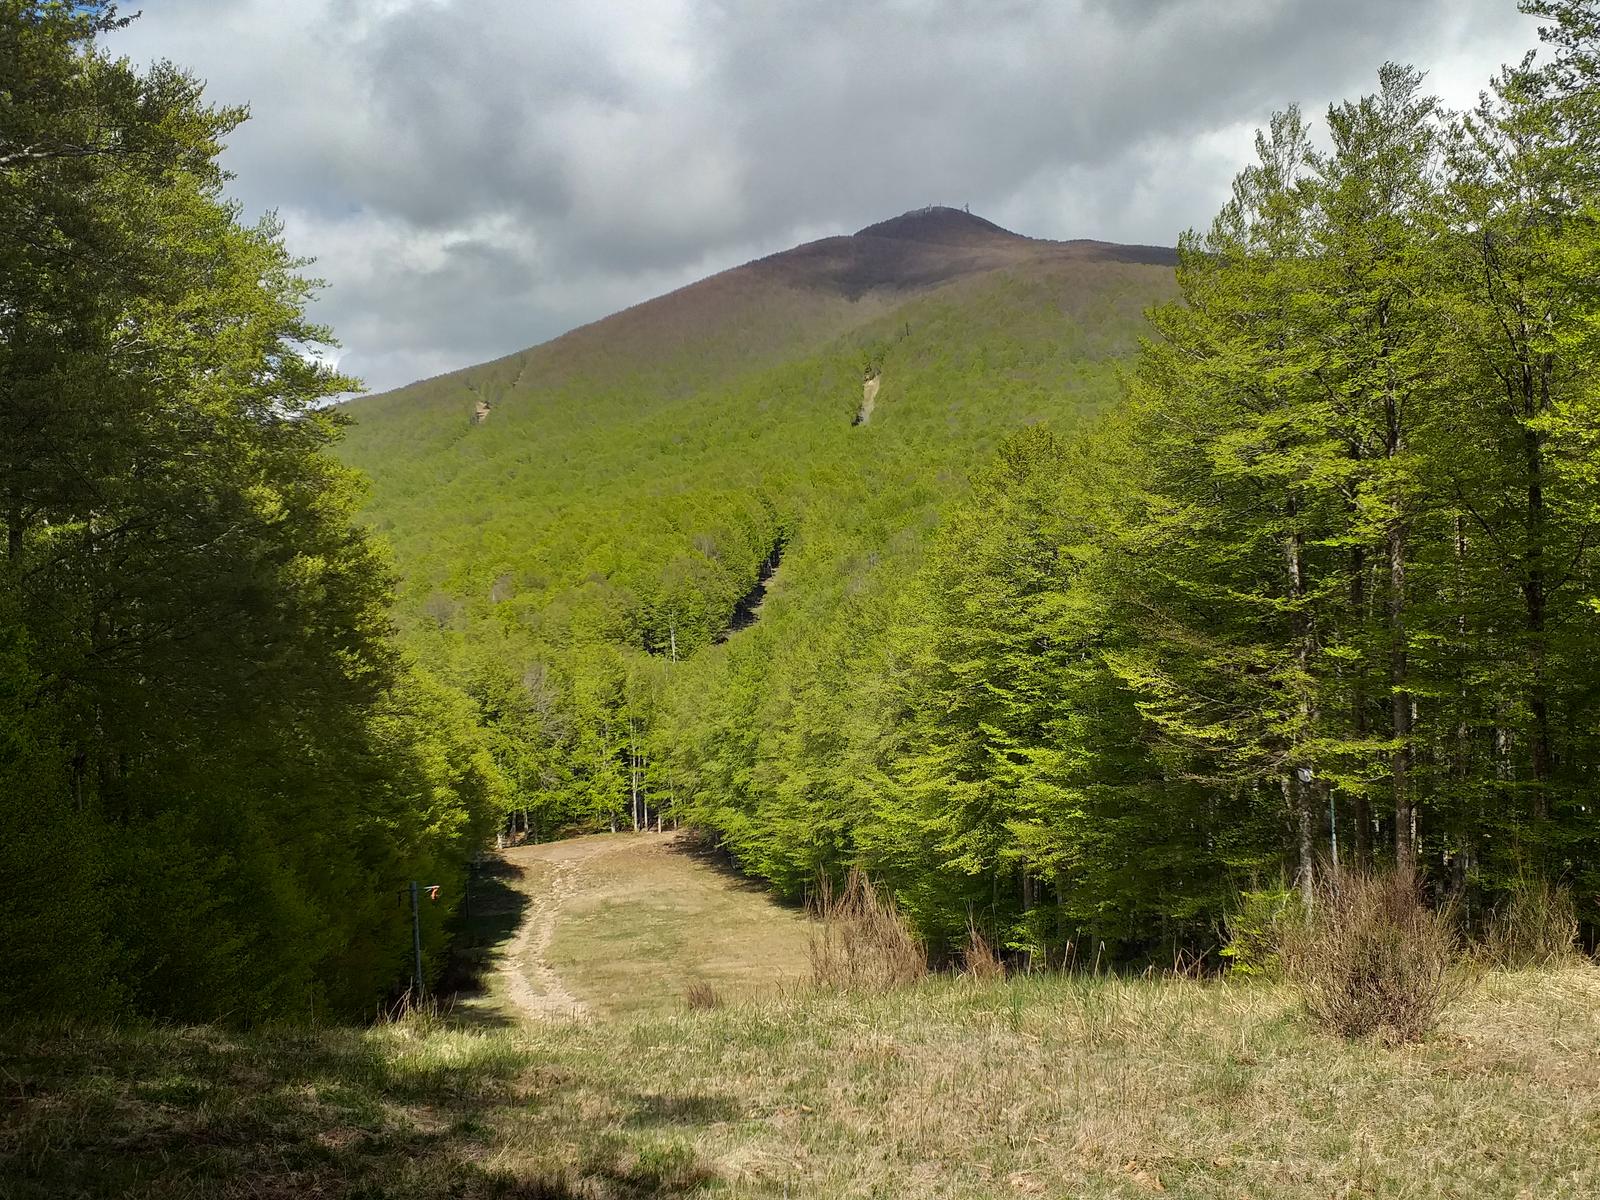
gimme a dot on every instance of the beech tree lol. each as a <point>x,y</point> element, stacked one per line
<point>207,780</point>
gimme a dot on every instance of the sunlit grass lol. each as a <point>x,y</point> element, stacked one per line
<point>1031,1086</point>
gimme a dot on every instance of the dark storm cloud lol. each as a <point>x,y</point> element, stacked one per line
<point>476,177</point>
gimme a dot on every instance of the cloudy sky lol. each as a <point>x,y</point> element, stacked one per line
<point>476,176</point>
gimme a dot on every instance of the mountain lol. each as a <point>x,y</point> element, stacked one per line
<point>767,309</point>
<point>742,467</point>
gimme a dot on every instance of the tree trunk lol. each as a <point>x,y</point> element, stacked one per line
<point>633,772</point>
<point>1322,799</point>
<point>1027,907</point>
<point>14,532</point>
<point>1534,603</point>
<point>1461,749</point>
<point>1405,849</point>
<point>1294,798</point>
<point>1297,791</point>
<point>1362,807</point>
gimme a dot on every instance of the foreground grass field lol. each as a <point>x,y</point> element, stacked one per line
<point>1039,1086</point>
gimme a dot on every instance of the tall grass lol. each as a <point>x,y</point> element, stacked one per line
<point>701,996</point>
<point>1372,958</point>
<point>859,941</point>
<point>979,960</point>
<point>1536,925</point>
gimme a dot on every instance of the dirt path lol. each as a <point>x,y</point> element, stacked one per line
<point>531,982</point>
<point>628,923</point>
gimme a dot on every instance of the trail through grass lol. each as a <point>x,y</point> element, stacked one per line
<point>1033,1086</point>
<point>628,923</point>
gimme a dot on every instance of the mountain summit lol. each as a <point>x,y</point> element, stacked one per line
<point>929,246</point>
<point>768,311</point>
<point>938,224</point>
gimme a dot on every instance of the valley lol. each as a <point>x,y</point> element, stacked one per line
<point>930,711</point>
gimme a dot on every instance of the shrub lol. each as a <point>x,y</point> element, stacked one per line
<point>700,995</point>
<point>1535,925</point>
<point>1256,929</point>
<point>859,940</point>
<point>1370,957</point>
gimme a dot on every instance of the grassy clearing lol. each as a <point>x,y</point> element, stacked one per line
<point>1033,1086</point>
<point>652,920</point>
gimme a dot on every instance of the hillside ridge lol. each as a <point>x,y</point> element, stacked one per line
<point>814,291</point>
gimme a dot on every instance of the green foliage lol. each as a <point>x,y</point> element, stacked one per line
<point>1352,459</point>
<point>1256,930</point>
<point>215,769</point>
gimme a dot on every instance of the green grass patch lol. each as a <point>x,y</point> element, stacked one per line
<point>1044,1086</point>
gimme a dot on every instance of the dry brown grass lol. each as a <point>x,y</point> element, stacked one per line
<point>1036,1085</point>
<point>700,996</point>
<point>1535,926</point>
<point>859,940</point>
<point>642,923</point>
<point>978,959</point>
<point>1371,958</point>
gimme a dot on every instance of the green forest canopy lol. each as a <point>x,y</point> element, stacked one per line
<point>216,767</point>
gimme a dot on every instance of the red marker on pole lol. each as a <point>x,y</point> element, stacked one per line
<point>416,933</point>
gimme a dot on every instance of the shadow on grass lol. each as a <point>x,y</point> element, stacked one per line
<point>489,919</point>
<point>704,851</point>
<point>342,1112</point>
<point>698,1109</point>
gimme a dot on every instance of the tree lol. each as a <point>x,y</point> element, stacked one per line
<point>196,636</point>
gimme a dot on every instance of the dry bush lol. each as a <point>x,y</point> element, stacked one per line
<point>978,957</point>
<point>700,996</point>
<point>1370,957</point>
<point>859,940</point>
<point>1191,965</point>
<point>1534,926</point>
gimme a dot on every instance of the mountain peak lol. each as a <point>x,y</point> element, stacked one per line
<point>938,225</point>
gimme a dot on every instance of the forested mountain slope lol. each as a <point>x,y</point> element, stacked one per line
<point>575,555</point>
<point>830,556</point>
<point>683,412</point>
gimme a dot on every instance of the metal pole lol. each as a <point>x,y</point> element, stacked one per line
<point>416,939</point>
<point>1333,828</point>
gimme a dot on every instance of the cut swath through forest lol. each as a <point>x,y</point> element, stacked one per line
<point>625,924</point>
<point>748,610</point>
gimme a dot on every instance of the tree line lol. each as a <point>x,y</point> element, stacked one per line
<point>216,766</point>
<point>1319,595</point>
